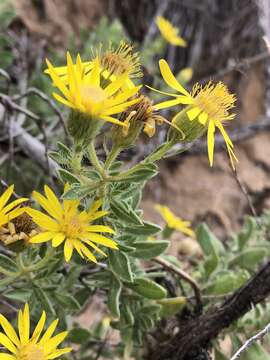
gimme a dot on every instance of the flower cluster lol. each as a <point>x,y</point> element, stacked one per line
<point>97,214</point>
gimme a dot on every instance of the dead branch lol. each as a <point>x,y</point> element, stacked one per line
<point>197,333</point>
<point>251,341</point>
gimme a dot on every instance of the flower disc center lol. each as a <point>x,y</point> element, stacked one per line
<point>31,352</point>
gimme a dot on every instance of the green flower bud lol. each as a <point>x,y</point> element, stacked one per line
<point>82,127</point>
<point>189,130</point>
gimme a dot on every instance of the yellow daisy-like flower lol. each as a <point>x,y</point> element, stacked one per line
<point>169,32</point>
<point>66,224</point>
<point>22,346</point>
<point>175,222</point>
<point>84,91</point>
<point>113,63</point>
<point>12,210</point>
<point>210,105</point>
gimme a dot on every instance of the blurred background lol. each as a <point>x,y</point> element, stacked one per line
<point>225,42</point>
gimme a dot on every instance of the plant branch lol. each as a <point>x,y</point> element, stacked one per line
<point>183,275</point>
<point>250,341</point>
<point>197,333</point>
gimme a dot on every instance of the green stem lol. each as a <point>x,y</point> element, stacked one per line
<point>19,261</point>
<point>6,272</point>
<point>40,264</point>
<point>10,279</point>
<point>94,159</point>
<point>112,156</point>
<point>159,153</point>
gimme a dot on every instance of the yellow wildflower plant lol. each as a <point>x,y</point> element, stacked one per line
<point>65,223</point>
<point>169,32</point>
<point>175,222</point>
<point>22,346</point>
<point>13,209</point>
<point>83,91</point>
<point>209,105</point>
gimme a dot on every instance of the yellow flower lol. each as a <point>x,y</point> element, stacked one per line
<point>113,63</point>
<point>210,105</point>
<point>175,222</point>
<point>12,210</point>
<point>66,224</point>
<point>83,90</point>
<point>22,346</point>
<point>169,32</point>
<point>121,60</point>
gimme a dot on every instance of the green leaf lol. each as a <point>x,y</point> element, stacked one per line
<point>149,249</point>
<point>148,288</point>
<point>79,192</point>
<point>249,258</point>
<point>42,298</point>
<point>68,177</point>
<point>7,264</point>
<point>140,173</point>
<point>79,336</point>
<point>22,295</point>
<point>208,241</point>
<point>249,229</point>
<point>68,301</point>
<point>114,297</point>
<point>64,149</point>
<point>146,229</point>
<point>227,283</point>
<point>127,315</point>
<point>210,264</point>
<point>124,212</point>
<point>120,265</point>
<point>57,157</point>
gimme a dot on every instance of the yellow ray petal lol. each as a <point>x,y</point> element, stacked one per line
<point>102,240</point>
<point>100,228</point>
<point>42,237</point>
<point>112,120</point>
<point>44,221</point>
<point>88,253</point>
<point>167,104</point>
<point>169,78</point>
<point>90,243</point>
<point>68,249</point>
<point>7,357</point>
<point>39,328</point>
<point>115,85</point>
<point>193,113</point>
<point>55,354</point>
<point>5,196</point>
<point>53,201</point>
<point>4,340</point>
<point>203,117</point>
<point>57,81</point>
<point>52,343</point>
<point>45,204</point>
<point>9,330</point>
<point>211,141</point>
<point>94,76</point>
<point>58,239</point>
<point>14,204</point>
<point>63,101</point>
<point>49,332</point>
